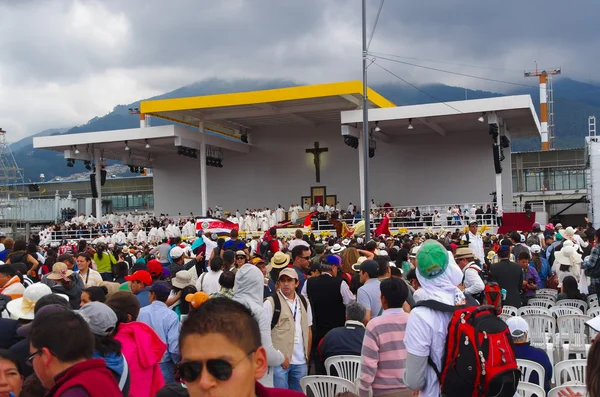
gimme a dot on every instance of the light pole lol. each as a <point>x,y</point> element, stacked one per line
<point>365,134</point>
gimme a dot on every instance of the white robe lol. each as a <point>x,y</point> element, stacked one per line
<point>294,216</point>
<point>279,211</point>
<point>264,223</point>
<point>141,236</point>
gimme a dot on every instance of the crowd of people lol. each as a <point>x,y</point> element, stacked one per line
<point>259,314</point>
<point>142,228</point>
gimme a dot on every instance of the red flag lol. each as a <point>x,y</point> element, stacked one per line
<point>383,228</point>
<point>307,220</point>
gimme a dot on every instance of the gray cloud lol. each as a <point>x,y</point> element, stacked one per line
<point>65,61</point>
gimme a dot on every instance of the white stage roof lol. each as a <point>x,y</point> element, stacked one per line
<point>517,112</point>
<point>162,140</point>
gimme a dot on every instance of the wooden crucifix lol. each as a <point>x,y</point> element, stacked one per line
<point>316,152</point>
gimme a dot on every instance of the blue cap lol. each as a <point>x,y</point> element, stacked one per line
<point>161,289</point>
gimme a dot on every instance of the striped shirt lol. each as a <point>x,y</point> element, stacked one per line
<point>384,354</point>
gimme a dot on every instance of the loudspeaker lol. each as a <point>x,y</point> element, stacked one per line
<point>93,182</point>
<point>497,159</point>
<point>102,177</point>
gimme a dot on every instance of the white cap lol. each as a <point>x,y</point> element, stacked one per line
<point>176,252</point>
<point>517,326</point>
<point>381,246</point>
<point>536,249</point>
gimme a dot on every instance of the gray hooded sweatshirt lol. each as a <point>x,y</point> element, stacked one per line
<point>248,290</point>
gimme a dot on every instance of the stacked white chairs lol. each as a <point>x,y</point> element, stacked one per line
<point>576,303</point>
<point>529,368</point>
<point>326,386</point>
<point>573,334</point>
<point>347,367</point>
<point>575,388</point>
<point>504,317</point>
<point>509,310</point>
<point>592,300</point>
<point>542,331</point>
<point>541,302</point>
<point>525,310</point>
<point>570,372</point>
<point>547,292</point>
<point>530,390</point>
<point>593,311</point>
<point>558,311</point>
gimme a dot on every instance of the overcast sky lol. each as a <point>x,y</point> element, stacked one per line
<point>63,62</point>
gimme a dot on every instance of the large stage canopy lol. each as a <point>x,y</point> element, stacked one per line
<point>285,146</point>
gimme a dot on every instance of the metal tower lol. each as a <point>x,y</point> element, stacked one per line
<point>546,104</point>
<point>12,189</point>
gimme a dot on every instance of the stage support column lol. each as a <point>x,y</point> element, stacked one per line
<point>361,174</point>
<point>98,171</point>
<point>203,190</point>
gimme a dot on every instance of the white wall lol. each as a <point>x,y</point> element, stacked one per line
<point>176,185</point>
<point>414,170</point>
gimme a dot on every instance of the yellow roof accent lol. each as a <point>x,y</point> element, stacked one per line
<point>264,96</point>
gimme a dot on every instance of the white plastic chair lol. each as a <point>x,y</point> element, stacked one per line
<point>576,303</point>
<point>546,292</point>
<point>558,311</point>
<point>542,331</point>
<point>529,390</point>
<point>575,388</point>
<point>541,302</point>
<point>326,386</point>
<point>591,298</point>
<point>570,372</point>
<point>509,310</point>
<point>347,367</point>
<point>528,368</point>
<point>573,334</point>
<point>593,311</point>
<point>504,317</point>
<point>526,310</point>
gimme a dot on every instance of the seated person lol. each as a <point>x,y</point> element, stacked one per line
<point>519,329</point>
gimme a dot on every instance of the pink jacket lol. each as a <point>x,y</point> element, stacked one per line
<point>143,350</point>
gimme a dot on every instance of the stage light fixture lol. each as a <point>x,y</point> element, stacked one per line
<point>132,169</point>
<point>127,147</point>
<point>481,119</point>
<point>76,150</point>
<point>244,137</point>
<point>410,126</point>
<point>504,141</point>
<point>377,129</point>
<point>147,144</point>
<point>70,163</point>
<point>88,165</point>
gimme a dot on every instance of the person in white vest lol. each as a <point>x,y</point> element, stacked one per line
<point>290,317</point>
<point>473,238</point>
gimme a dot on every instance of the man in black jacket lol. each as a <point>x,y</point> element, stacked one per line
<point>509,277</point>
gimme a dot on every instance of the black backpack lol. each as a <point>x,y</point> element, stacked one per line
<point>277,308</point>
<point>265,245</point>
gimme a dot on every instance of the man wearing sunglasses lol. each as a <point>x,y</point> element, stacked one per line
<point>222,354</point>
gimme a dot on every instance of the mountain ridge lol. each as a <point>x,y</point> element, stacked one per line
<point>575,103</point>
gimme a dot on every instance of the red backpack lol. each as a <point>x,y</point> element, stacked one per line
<point>492,296</point>
<point>479,359</point>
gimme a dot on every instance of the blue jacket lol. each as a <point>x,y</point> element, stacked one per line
<point>525,351</point>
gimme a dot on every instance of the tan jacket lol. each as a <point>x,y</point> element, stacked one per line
<point>283,333</point>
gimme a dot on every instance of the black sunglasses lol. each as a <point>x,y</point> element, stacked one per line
<point>219,368</point>
<point>240,257</point>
